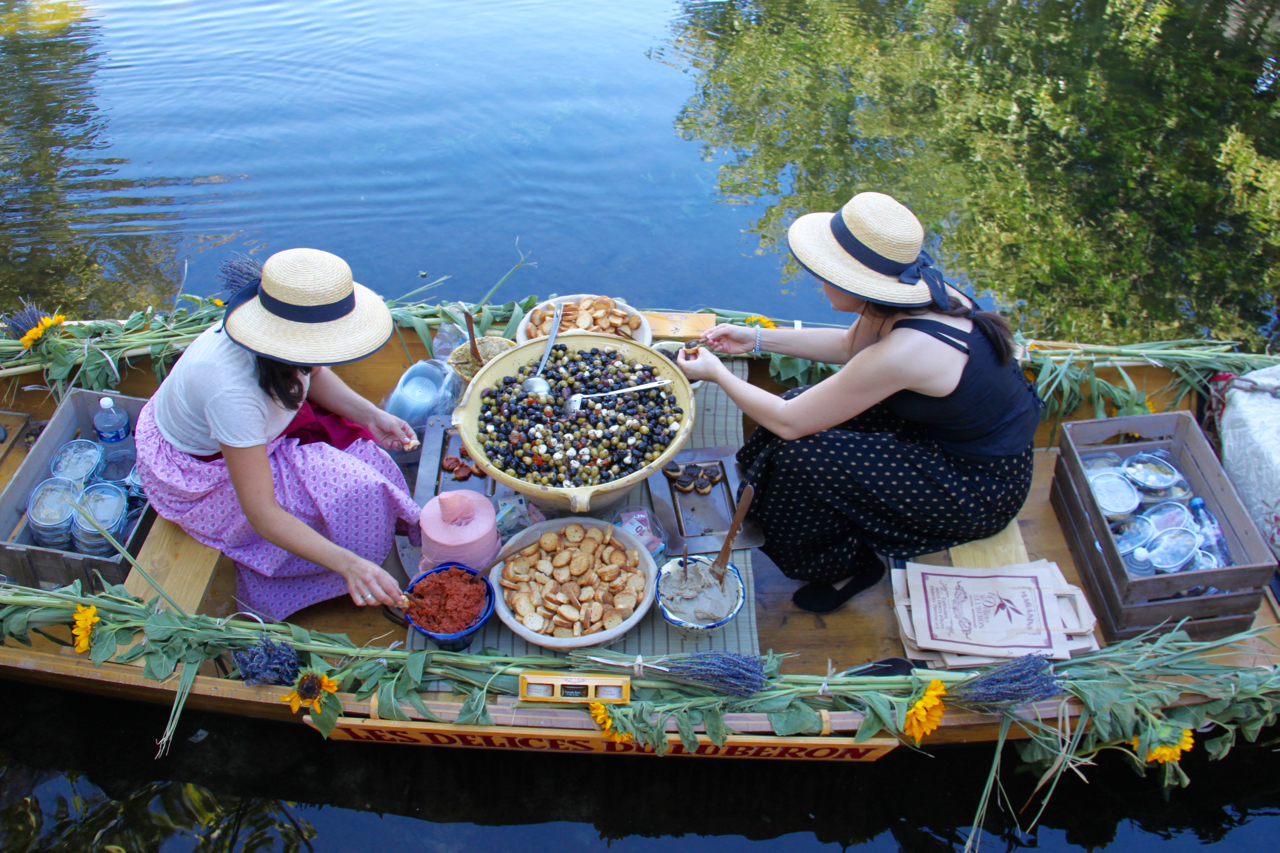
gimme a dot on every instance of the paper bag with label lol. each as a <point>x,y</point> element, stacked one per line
<point>1004,612</point>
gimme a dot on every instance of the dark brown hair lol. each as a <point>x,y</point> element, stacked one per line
<point>993,325</point>
<point>282,381</point>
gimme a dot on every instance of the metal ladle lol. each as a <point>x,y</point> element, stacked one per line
<point>574,403</point>
<point>535,384</point>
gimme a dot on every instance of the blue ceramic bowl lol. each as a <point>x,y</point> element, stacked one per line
<point>694,631</point>
<point>458,641</point>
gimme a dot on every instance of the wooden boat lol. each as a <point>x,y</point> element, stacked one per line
<point>861,632</point>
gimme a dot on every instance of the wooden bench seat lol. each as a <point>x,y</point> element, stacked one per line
<point>1006,548</point>
<point>177,562</point>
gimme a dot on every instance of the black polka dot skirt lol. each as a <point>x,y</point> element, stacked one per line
<point>875,482</point>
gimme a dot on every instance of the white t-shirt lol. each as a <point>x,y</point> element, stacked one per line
<point>212,397</point>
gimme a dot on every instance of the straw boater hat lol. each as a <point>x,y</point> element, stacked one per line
<point>307,310</point>
<point>871,247</point>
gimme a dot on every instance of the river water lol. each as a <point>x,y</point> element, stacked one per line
<point>1104,171</point>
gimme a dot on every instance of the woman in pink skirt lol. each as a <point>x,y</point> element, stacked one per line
<point>230,447</point>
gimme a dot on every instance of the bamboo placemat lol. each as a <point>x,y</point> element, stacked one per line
<point>717,423</point>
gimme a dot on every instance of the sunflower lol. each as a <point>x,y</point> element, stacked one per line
<point>36,332</point>
<point>600,716</point>
<point>85,618</point>
<point>926,713</point>
<point>217,302</point>
<point>1168,751</point>
<point>761,321</point>
<point>309,690</point>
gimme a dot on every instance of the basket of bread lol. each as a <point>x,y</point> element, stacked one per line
<point>570,583</point>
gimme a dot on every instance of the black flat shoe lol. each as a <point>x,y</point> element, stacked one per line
<point>824,598</point>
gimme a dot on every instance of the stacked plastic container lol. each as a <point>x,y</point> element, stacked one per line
<point>1159,527</point>
<point>99,477</point>
<point>51,511</point>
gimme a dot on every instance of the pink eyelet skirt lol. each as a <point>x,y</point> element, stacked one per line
<point>356,498</point>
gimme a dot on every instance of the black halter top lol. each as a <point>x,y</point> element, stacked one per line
<point>993,411</point>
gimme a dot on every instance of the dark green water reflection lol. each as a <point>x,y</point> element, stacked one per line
<point>1108,166</point>
<point>61,243</point>
<point>1111,170</point>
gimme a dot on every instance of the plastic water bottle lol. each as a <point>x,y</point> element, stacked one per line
<point>1138,563</point>
<point>1214,542</point>
<point>111,423</point>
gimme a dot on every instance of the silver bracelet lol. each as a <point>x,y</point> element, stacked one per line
<point>757,349</point>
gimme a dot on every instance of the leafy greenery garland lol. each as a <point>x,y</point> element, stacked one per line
<point>1127,691</point>
<point>91,354</point>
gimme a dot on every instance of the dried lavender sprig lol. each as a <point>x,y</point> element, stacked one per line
<point>240,271</point>
<point>267,662</point>
<point>724,672</point>
<point>26,318</point>
<point>1021,681</point>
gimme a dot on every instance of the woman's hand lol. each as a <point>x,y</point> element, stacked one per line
<point>391,432</point>
<point>369,584</point>
<point>697,364</point>
<point>730,339</point>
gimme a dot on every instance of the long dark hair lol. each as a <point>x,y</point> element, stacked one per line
<point>282,381</point>
<point>993,325</point>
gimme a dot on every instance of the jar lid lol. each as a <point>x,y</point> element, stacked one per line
<point>1172,549</point>
<point>1168,515</point>
<point>1115,494</point>
<point>1101,461</point>
<point>52,502</point>
<point>76,459</point>
<point>1132,533</point>
<point>106,502</point>
<point>1150,471</point>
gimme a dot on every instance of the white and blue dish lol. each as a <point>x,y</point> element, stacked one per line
<point>694,631</point>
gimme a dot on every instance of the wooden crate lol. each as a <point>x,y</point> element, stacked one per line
<point>1127,606</point>
<point>24,562</point>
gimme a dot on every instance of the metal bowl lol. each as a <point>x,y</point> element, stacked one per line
<point>466,418</point>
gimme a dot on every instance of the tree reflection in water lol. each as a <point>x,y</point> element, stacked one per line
<point>1108,167</point>
<point>74,234</point>
<point>923,802</point>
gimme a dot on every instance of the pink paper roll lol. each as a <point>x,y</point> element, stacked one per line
<point>469,536</point>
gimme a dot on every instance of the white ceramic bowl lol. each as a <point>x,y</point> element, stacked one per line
<point>643,335</point>
<point>694,631</point>
<point>604,638</point>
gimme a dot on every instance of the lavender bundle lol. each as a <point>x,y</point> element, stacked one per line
<point>723,672</point>
<point>239,272</point>
<point>267,662</point>
<point>1021,681</point>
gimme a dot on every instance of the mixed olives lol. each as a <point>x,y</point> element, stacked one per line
<point>527,437</point>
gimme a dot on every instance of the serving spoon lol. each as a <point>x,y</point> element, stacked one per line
<point>471,336</point>
<point>719,567</point>
<point>574,403</point>
<point>535,384</point>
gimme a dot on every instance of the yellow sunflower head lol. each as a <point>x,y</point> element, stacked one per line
<point>926,713</point>
<point>309,690</point>
<point>85,618</point>
<point>217,302</point>
<point>759,320</point>
<point>1173,742</point>
<point>600,715</point>
<point>36,332</point>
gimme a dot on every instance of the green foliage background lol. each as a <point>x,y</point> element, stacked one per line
<point>1105,167</point>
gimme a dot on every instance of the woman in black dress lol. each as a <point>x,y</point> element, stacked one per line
<point>920,442</point>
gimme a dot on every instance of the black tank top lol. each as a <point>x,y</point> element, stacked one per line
<point>993,411</point>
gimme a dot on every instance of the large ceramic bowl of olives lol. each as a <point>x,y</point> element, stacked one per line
<point>593,459</point>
